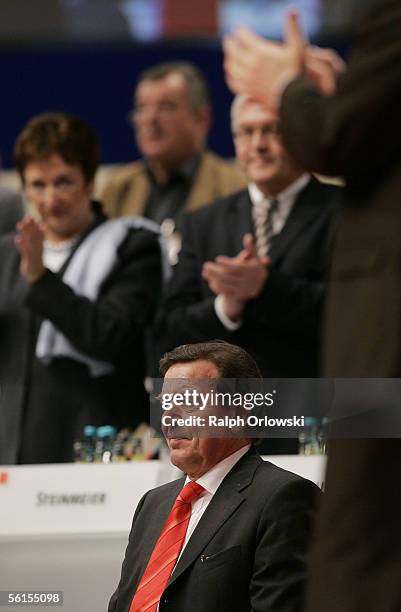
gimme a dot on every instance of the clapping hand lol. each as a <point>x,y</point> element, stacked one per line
<point>238,279</point>
<point>29,242</point>
<point>261,69</point>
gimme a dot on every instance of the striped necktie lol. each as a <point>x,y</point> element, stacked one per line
<point>263,218</point>
<point>166,551</point>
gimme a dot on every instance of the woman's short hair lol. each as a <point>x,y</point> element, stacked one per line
<point>60,134</point>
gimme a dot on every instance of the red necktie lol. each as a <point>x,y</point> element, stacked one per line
<point>166,551</point>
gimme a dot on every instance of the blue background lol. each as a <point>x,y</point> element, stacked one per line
<point>97,84</point>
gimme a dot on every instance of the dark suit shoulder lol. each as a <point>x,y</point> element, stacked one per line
<point>262,478</point>
<point>326,187</point>
<point>139,240</point>
<point>321,193</point>
<point>165,490</point>
<point>330,190</point>
<point>280,493</point>
<point>279,477</point>
<point>217,207</point>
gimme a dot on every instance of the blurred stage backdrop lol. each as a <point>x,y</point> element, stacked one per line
<point>84,56</point>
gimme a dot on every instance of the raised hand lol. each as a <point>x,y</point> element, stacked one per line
<point>239,279</point>
<point>29,242</point>
<point>260,68</point>
<point>323,66</point>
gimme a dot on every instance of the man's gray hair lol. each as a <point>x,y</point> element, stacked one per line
<point>236,104</point>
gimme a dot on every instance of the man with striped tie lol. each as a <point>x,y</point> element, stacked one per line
<point>253,265</point>
<point>233,535</point>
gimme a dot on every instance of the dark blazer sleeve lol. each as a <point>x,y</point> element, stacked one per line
<point>107,327</point>
<point>357,130</point>
<point>288,304</point>
<point>188,313</point>
<point>283,541</point>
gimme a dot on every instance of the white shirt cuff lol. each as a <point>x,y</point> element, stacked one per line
<point>228,324</point>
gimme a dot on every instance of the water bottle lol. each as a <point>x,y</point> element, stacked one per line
<point>120,440</point>
<point>99,445</point>
<point>89,443</point>
<point>78,451</point>
<point>84,447</point>
<point>104,443</point>
<point>322,435</point>
<point>309,443</point>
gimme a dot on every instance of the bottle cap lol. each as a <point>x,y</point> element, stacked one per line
<point>106,431</point>
<point>89,430</point>
<point>310,421</point>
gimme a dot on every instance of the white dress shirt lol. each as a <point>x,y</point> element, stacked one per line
<point>210,482</point>
<point>285,202</point>
<point>55,254</point>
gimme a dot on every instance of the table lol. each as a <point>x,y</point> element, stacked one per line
<point>65,527</point>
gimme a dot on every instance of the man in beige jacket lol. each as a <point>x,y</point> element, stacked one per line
<point>171,118</point>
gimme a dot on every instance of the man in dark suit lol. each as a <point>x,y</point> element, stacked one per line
<point>262,292</point>
<point>350,127</point>
<point>248,527</point>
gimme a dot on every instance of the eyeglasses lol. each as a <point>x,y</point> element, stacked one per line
<point>246,133</point>
<point>163,109</point>
<point>62,186</point>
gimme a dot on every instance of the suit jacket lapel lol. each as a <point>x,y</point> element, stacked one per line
<point>136,194</point>
<point>305,208</point>
<point>202,187</point>
<point>224,503</point>
<point>239,222</point>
